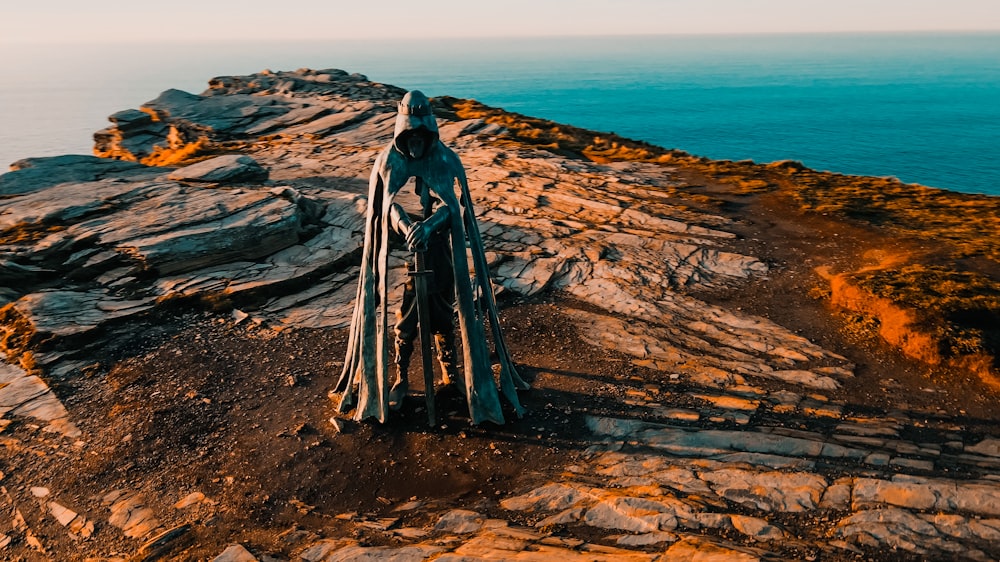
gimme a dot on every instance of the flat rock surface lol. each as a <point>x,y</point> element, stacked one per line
<point>34,174</point>
<point>171,333</point>
<point>231,168</point>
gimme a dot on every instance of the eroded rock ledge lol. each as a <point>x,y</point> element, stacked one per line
<point>251,195</point>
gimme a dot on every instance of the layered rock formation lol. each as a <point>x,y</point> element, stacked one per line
<point>733,437</point>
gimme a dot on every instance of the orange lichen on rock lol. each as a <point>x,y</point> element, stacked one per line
<point>181,146</point>
<point>17,333</point>
<point>25,233</point>
<point>109,145</point>
<point>153,114</point>
<point>178,151</point>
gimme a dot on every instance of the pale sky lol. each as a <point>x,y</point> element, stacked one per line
<point>58,21</point>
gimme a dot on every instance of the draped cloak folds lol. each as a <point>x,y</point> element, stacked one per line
<point>365,380</point>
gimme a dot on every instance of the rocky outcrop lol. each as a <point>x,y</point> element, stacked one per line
<point>178,125</point>
<point>740,445</point>
<point>34,174</point>
<point>84,253</point>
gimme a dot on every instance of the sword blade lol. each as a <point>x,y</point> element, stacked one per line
<point>420,274</point>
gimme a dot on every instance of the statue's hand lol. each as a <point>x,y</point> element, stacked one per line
<point>417,237</point>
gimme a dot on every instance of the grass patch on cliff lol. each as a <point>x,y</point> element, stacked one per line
<point>560,139</point>
<point>968,223</point>
<point>960,309</point>
<point>603,148</point>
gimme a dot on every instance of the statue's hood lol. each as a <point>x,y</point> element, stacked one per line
<point>414,115</point>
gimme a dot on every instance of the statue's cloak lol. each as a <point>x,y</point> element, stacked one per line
<point>365,380</point>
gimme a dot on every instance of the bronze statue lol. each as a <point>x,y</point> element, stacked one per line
<point>437,288</point>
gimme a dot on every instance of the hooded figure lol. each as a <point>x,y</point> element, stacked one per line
<point>417,152</point>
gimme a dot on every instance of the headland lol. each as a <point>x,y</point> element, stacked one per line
<point>732,359</point>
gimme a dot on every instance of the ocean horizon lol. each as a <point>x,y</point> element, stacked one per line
<point>921,107</point>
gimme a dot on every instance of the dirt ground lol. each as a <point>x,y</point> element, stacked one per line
<point>240,412</point>
<point>795,244</point>
<point>194,401</point>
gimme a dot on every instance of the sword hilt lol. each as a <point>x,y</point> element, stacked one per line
<point>419,264</point>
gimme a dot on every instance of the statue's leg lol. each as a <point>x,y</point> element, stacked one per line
<point>444,338</point>
<point>406,334</point>
<point>445,343</point>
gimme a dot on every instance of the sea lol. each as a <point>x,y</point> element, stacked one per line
<point>921,107</point>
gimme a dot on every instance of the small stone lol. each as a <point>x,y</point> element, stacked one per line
<point>39,492</point>
<point>409,506</point>
<point>33,541</point>
<point>679,414</point>
<point>562,542</point>
<point>410,533</point>
<point>189,500</point>
<point>912,463</point>
<point>459,521</point>
<point>302,506</point>
<point>82,528</point>
<point>785,397</point>
<point>647,539</point>
<point>756,528</point>
<point>837,496</point>
<point>235,553</point>
<point>63,515</point>
<point>989,447</point>
<point>821,410</point>
<point>382,524</point>
<point>877,459</point>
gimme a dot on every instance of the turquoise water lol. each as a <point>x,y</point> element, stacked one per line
<point>921,107</point>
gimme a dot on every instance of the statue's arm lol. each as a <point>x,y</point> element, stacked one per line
<point>399,220</point>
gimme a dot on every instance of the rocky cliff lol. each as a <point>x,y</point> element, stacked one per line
<point>730,360</point>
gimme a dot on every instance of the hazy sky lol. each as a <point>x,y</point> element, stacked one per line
<point>52,21</point>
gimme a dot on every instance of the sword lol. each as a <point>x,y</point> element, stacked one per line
<point>420,274</point>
